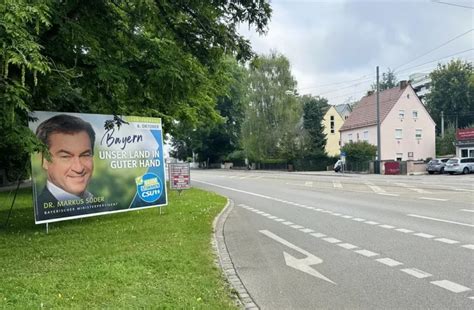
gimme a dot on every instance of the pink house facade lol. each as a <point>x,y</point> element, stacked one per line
<point>407,130</point>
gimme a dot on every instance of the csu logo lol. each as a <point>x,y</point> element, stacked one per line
<point>149,187</point>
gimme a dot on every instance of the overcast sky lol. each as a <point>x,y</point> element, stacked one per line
<point>340,43</point>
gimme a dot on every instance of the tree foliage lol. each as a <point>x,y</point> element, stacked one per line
<point>272,118</point>
<point>445,145</point>
<point>151,58</point>
<point>452,92</point>
<point>359,151</point>
<point>387,81</point>
<point>214,142</point>
<point>313,114</point>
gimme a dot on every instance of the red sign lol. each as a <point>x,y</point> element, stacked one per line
<point>465,134</point>
<point>180,177</point>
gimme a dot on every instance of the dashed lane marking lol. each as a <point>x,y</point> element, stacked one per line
<point>467,210</point>
<point>417,273</point>
<point>389,262</point>
<point>404,230</point>
<point>366,253</point>
<point>387,226</point>
<point>468,246</point>
<point>445,284</point>
<point>451,286</point>
<point>434,199</point>
<point>423,235</point>
<point>347,246</point>
<point>448,241</point>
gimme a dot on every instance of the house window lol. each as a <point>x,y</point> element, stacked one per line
<point>350,138</point>
<point>401,114</point>
<point>418,133</point>
<point>346,117</point>
<point>357,136</point>
<point>464,152</point>
<point>332,123</point>
<point>399,156</point>
<point>366,135</point>
<point>398,133</point>
<point>415,114</point>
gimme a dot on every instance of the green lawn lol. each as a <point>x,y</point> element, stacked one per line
<point>135,259</point>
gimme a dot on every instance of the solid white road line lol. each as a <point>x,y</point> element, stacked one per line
<point>451,286</point>
<point>417,273</point>
<point>389,262</point>
<point>439,220</point>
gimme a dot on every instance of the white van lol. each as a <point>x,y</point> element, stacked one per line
<point>460,165</point>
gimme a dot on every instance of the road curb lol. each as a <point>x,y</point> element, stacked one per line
<point>218,243</point>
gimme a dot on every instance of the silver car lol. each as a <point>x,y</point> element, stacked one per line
<point>460,165</point>
<point>436,165</point>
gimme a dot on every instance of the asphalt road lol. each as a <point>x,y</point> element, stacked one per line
<point>328,241</point>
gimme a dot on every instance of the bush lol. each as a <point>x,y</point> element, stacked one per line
<point>359,151</point>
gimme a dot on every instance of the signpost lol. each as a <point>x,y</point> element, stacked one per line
<point>180,176</point>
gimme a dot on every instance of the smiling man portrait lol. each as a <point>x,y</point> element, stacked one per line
<point>70,141</point>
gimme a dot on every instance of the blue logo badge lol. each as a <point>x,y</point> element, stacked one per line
<point>149,187</point>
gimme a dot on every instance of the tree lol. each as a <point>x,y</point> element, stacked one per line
<point>313,114</point>
<point>452,91</point>
<point>215,142</point>
<point>150,58</point>
<point>270,129</point>
<point>445,145</point>
<point>388,80</point>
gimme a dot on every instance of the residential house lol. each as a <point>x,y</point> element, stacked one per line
<point>332,122</point>
<point>407,131</point>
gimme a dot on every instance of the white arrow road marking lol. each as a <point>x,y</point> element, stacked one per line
<point>302,264</point>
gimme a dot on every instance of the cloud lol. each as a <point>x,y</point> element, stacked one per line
<point>336,41</point>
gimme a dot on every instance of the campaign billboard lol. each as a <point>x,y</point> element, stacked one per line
<point>95,167</point>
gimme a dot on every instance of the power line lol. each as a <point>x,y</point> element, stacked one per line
<point>453,4</point>
<point>434,49</point>
<point>468,50</point>
<point>338,83</point>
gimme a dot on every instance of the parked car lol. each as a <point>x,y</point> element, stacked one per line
<point>460,165</point>
<point>338,166</point>
<point>436,165</point>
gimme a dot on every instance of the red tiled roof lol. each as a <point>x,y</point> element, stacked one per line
<point>365,113</point>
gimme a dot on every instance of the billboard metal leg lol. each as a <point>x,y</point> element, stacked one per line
<point>47,228</point>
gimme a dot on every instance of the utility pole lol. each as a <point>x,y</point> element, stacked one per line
<point>442,124</point>
<point>379,152</point>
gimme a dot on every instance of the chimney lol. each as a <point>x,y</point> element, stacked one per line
<point>370,93</point>
<point>403,84</point>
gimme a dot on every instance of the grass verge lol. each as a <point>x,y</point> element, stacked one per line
<point>134,259</point>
